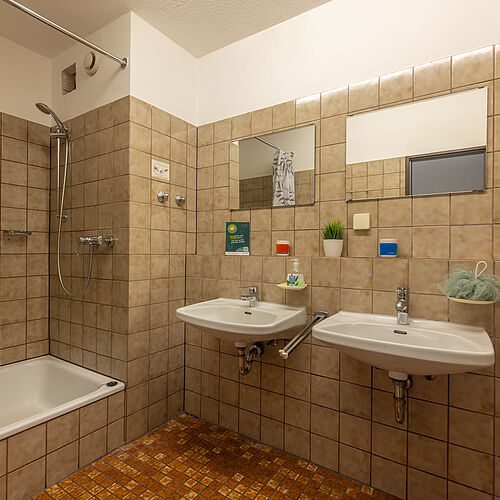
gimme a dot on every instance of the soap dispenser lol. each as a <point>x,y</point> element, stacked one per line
<point>294,276</point>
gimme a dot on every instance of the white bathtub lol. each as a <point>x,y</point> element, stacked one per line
<point>40,389</point>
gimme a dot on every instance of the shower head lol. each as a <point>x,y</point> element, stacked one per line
<point>45,109</point>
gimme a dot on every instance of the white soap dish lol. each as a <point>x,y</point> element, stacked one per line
<point>295,288</point>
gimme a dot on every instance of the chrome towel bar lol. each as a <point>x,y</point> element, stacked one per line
<point>317,317</point>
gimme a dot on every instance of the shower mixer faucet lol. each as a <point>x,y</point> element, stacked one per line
<point>95,241</point>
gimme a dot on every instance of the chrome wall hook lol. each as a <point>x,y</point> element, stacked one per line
<point>180,200</point>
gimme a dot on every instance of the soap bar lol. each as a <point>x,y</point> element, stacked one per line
<point>388,248</point>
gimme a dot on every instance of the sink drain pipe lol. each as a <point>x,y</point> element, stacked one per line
<point>246,358</point>
<point>402,382</point>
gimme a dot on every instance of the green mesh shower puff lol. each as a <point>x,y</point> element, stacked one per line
<point>471,285</point>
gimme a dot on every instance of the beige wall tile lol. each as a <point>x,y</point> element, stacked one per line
<point>62,462</point>
<point>477,245</point>
<point>334,102</point>
<point>333,158</point>
<point>356,300</point>
<point>284,115</point>
<point>356,273</point>
<point>389,442</point>
<point>332,130</point>
<point>324,452</point>
<point>396,87</point>
<point>26,447</point>
<point>308,108</point>
<point>62,430</point>
<point>241,126</point>
<point>427,454</point>
<point>472,392</point>
<point>462,214</point>
<point>389,476</point>
<point>363,95</point>
<point>222,130</point>
<point>432,77</point>
<point>355,399</point>
<point>471,67</point>
<point>422,485</point>
<point>431,242</point>
<point>354,463</point>
<point>26,481</point>
<point>471,468</point>
<point>355,431</point>
<point>396,212</point>
<point>297,442</point>
<point>427,418</point>
<point>425,274</point>
<point>471,429</point>
<point>389,274</point>
<point>262,120</point>
<point>431,210</point>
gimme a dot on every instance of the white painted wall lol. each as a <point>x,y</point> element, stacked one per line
<point>24,80</point>
<point>341,42</point>
<point>162,72</point>
<point>108,84</point>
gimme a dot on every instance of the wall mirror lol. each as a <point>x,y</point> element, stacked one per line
<point>433,146</point>
<point>273,170</point>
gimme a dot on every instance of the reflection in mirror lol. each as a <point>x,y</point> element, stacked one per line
<point>273,170</point>
<point>432,146</point>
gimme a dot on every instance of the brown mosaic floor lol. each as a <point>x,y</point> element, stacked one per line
<point>189,458</point>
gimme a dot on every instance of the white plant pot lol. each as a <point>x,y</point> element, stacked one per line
<point>333,248</point>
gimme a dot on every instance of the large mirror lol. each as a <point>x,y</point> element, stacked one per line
<point>433,146</point>
<point>273,170</point>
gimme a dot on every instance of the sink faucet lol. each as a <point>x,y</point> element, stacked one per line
<point>402,305</point>
<point>251,296</point>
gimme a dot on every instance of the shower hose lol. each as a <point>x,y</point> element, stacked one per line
<point>59,228</point>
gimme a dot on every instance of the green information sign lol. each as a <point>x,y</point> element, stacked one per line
<point>237,238</point>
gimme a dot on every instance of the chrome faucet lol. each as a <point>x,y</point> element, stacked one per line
<point>251,296</point>
<point>402,305</point>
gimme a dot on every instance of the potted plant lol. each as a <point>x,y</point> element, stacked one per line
<point>333,233</point>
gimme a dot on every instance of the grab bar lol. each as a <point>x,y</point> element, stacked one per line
<point>16,232</point>
<point>317,317</point>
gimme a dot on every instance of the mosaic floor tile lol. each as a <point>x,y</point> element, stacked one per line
<point>189,458</point>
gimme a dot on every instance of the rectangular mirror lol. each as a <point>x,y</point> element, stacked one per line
<point>433,146</point>
<point>273,170</point>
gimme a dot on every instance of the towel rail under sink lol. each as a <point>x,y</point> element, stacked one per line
<point>317,317</point>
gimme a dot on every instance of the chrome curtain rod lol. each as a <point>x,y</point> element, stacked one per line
<point>266,143</point>
<point>122,62</point>
<point>270,145</point>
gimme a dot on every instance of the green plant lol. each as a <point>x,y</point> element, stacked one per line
<point>333,230</point>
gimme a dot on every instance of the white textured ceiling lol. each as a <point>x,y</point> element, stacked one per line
<point>200,26</point>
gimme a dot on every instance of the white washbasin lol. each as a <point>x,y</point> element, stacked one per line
<point>427,347</point>
<point>233,319</point>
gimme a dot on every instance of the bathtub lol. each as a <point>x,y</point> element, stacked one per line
<point>40,389</point>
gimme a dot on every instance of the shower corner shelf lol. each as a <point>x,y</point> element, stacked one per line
<point>16,232</point>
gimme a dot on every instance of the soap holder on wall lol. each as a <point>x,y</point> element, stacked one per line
<point>464,278</point>
<point>287,287</point>
<point>475,302</point>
